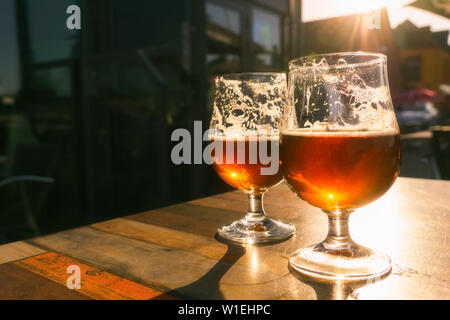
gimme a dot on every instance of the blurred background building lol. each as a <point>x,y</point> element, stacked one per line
<point>86,115</point>
<point>424,56</point>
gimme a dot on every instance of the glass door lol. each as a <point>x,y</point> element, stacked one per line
<point>224,36</point>
<point>241,36</point>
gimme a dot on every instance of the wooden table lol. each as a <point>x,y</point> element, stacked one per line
<point>171,252</point>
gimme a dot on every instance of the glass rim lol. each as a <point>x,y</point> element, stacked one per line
<point>377,57</point>
<point>248,76</point>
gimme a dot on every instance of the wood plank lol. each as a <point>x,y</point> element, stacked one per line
<point>182,273</point>
<point>21,284</point>
<point>167,237</point>
<point>18,250</point>
<point>95,283</point>
<point>401,213</point>
<point>188,217</point>
<point>173,250</point>
<point>205,246</point>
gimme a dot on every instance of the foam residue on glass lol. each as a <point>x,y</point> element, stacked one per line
<point>247,107</point>
<point>330,96</point>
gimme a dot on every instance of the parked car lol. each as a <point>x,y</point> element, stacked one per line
<point>416,116</point>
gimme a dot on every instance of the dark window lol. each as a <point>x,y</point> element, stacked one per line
<point>412,68</point>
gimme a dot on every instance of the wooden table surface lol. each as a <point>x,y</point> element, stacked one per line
<point>172,252</point>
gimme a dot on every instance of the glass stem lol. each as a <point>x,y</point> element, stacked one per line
<point>338,232</point>
<point>255,208</point>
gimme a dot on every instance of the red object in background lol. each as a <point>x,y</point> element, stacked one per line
<point>417,95</point>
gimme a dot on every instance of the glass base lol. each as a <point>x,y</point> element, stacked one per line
<point>353,262</point>
<point>253,232</point>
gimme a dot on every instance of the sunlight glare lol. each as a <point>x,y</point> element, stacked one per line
<point>323,9</point>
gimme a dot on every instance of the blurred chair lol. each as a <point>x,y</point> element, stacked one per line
<point>23,194</point>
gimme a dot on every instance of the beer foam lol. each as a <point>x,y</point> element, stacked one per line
<point>245,138</point>
<point>339,133</point>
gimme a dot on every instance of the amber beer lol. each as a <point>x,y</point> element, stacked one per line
<point>247,174</point>
<point>341,169</point>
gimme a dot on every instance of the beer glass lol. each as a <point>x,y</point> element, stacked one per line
<point>245,129</point>
<point>340,150</point>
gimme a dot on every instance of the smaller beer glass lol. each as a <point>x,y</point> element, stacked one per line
<point>340,150</point>
<point>244,128</point>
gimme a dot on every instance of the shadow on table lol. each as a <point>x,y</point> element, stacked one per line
<point>335,289</point>
<point>208,286</point>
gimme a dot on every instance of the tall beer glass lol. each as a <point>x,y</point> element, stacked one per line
<point>245,129</point>
<point>340,150</point>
